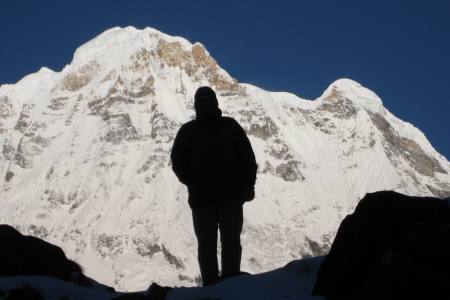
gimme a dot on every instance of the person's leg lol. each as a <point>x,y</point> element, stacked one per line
<point>205,227</point>
<point>230,225</point>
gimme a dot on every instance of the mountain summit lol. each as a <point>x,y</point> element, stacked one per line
<point>85,159</point>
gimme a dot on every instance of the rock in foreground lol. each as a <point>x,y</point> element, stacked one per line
<point>392,246</point>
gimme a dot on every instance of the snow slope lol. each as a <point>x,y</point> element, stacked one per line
<point>294,281</point>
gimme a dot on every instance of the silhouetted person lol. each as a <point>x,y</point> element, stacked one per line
<point>213,157</point>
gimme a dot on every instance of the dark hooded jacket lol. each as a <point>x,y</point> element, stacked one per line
<point>213,157</point>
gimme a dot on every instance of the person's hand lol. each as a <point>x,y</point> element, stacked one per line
<point>248,193</point>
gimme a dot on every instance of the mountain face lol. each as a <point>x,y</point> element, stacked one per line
<point>84,160</point>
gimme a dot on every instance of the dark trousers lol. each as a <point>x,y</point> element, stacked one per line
<point>228,218</point>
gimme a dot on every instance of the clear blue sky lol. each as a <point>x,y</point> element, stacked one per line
<point>399,49</point>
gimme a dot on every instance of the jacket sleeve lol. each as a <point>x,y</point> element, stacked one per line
<point>180,155</point>
<point>246,156</point>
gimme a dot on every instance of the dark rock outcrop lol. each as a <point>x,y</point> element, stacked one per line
<point>154,292</point>
<point>417,267</point>
<point>28,255</point>
<point>23,293</point>
<point>392,246</point>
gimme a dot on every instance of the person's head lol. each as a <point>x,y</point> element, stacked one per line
<point>205,103</point>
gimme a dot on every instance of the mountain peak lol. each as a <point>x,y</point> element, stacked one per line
<point>359,95</point>
<point>127,48</point>
<point>117,44</point>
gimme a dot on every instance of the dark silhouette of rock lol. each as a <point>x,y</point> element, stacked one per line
<point>23,293</point>
<point>157,292</point>
<point>383,224</point>
<point>154,292</point>
<point>27,255</point>
<point>417,267</point>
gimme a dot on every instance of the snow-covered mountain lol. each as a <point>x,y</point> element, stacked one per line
<point>85,159</point>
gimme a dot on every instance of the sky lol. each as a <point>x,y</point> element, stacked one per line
<point>399,49</point>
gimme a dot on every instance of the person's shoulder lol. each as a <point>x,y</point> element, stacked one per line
<point>230,121</point>
<point>188,125</point>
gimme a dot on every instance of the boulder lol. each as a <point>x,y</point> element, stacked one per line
<point>23,256</point>
<point>417,267</point>
<point>154,292</point>
<point>23,293</point>
<point>382,224</point>
<point>27,255</point>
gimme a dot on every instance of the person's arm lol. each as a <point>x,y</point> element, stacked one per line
<point>246,157</point>
<point>180,155</point>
